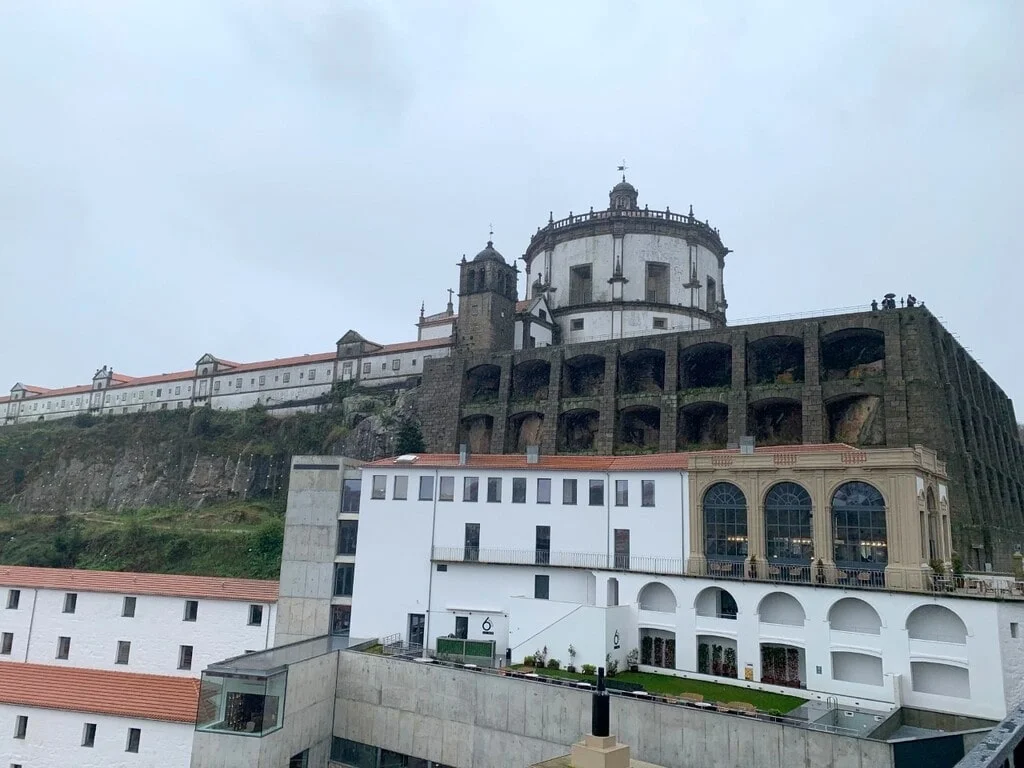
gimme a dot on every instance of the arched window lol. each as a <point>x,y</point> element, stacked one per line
<point>725,522</point>
<point>858,522</point>
<point>787,524</point>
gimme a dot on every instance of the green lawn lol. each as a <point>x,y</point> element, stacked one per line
<point>669,685</point>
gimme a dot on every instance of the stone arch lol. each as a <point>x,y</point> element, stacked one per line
<point>715,602</point>
<point>775,360</point>
<point>583,376</point>
<point>702,426</point>
<point>787,524</point>
<point>655,596</point>
<point>852,353</point>
<point>642,371</point>
<point>483,383</point>
<point>530,380</point>
<point>707,365</point>
<point>781,608</point>
<point>851,614</point>
<point>937,623</point>
<point>577,430</point>
<point>475,431</point>
<point>776,421</point>
<point>856,419</point>
<point>639,428</point>
<point>524,429</point>
<point>859,527</point>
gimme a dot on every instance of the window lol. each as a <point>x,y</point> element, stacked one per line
<point>657,283</point>
<point>541,587</point>
<point>128,607</point>
<point>89,735</point>
<point>569,492</point>
<point>494,489</point>
<point>396,364</point>
<point>191,610</point>
<point>287,377</point>
<point>518,490</point>
<point>580,284</point>
<point>301,760</point>
<point>660,323</point>
<point>725,522</point>
<point>446,492</point>
<point>124,650</point>
<point>596,493</point>
<point>858,520</point>
<point>134,734</point>
<point>13,598</point>
<point>472,541</point>
<point>350,493</point>
<point>20,726</point>
<point>426,488</point>
<point>238,384</point>
<point>341,619</point>
<point>344,575</point>
<point>576,324</point>
<point>263,380</point>
<point>346,369</point>
<point>70,602</point>
<point>401,489</point>
<point>216,387</point>
<point>6,643</point>
<point>787,524</point>
<point>312,374</point>
<point>255,615</point>
<point>366,367</point>
<point>380,487</point>
<point>712,302</point>
<point>542,555</point>
<point>462,627</point>
<point>622,493</point>
<point>543,490</point>
<point>185,657</point>
<point>348,531</point>
<point>647,493</point>
<point>471,489</point>
<point>63,647</point>
<point>621,537</point>
<point>1014,629</point>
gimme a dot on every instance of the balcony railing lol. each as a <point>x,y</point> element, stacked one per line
<point>597,561</point>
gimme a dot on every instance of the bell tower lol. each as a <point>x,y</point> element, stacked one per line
<point>487,302</point>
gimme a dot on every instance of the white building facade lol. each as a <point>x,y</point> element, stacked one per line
<point>611,554</point>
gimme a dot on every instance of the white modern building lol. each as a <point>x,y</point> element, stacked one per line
<point>800,566</point>
<point>101,668</point>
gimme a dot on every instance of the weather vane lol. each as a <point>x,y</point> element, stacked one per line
<point>623,168</point>
<point>490,233</point>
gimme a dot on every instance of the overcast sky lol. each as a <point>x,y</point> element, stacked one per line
<point>252,179</point>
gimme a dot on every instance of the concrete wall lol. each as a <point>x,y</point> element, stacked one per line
<point>471,720</point>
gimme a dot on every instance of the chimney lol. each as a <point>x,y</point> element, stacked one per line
<point>532,454</point>
<point>463,454</point>
<point>746,445</point>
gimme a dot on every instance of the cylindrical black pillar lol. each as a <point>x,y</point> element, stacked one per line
<point>600,716</point>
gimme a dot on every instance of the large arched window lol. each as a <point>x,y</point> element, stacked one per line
<point>787,524</point>
<point>725,522</point>
<point>858,522</point>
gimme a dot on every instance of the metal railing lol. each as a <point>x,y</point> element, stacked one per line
<point>597,561</point>
<point>594,216</point>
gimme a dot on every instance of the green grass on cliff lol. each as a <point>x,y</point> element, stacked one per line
<point>238,539</point>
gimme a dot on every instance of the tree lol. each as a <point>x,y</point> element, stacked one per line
<point>410,439</point>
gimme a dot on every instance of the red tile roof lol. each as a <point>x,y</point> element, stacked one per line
<point>319,357</point>
<point>647,461</point>
<point>135,381</point>
<point>162,584</point>
<point>124,694</point>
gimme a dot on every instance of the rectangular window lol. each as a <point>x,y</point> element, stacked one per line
<point>597,493</point>
<point>472,551</point>
<point>89,735</point>
<point>380,487</point>
<point>300,760</point>
<point>622,493</point>
<point>63,647</point>
<point>255,615</point>
<point>569,492</point>
<point>312,374</point>
<point>216,387</point>
<point>622,548</point>
<point>134,735</point>
<point>341,619</point>
<point>576,325</point>
<point>346,369</point>
<point>462,627</point>
<point>471,489</point>
<point>1014,629</point>
<point>350,493</point>
<point>185,657</point>
<point>494,489</point>
<point>396,364</point>
<point>348,531</point>
<point>581,284</point>
<point>541,587</point>
<point>124,650</point>
<point>647,493</point>
<point>518,490</point>
<point>191,610</point>
<point>543,490</point>
<point>287,377</point>
<point>447,489</point>
<point>263,380</point>
<point>344,576</point>
<point>543,545</point>
<point>367,367</point>
<point>426,488</point>
<point>6,643</point>
<point>20,726</point>
<point>128,607</point>
<point>657,283</point>
<point>238,384</point>
<point>660,323</point>
<point>70,602</point>
<point>712,300</point>
<point>13,598</point>
<point>401,489</point>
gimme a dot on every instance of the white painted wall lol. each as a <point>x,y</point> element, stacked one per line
<point>54,738</point>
